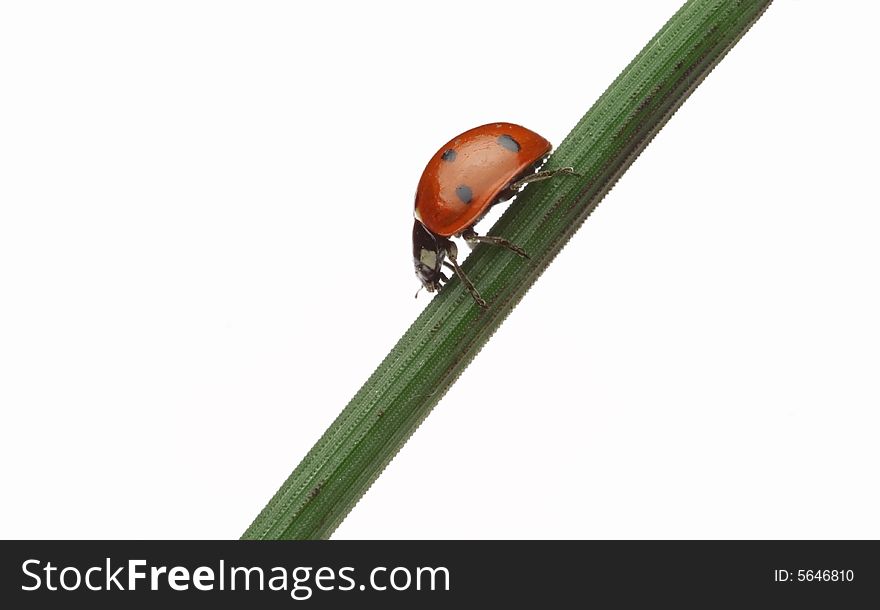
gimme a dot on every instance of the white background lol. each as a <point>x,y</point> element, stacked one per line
<point>205,214</point>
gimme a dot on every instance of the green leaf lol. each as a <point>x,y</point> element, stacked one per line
<point>438,346</point>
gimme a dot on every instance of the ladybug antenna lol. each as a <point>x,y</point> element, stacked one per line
<point>417,292</point>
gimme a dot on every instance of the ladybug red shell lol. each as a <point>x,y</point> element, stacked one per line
<point>463,179</point>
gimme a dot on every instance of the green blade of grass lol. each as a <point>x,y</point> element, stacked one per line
<point>438,346</point>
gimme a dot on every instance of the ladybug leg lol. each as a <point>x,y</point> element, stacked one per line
<point>471,237</point>
<point>452,254</point>
<point>538,176</point>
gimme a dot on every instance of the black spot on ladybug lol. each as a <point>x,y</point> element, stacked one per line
<point>509,143</point>
<point>464,193</point>
<point>449,155</point>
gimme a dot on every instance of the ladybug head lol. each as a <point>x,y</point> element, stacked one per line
<point>429,252</point>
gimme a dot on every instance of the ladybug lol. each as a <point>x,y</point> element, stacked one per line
<point>467,176</point>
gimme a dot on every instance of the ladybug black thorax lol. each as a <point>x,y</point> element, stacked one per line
<point>429,252</point>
